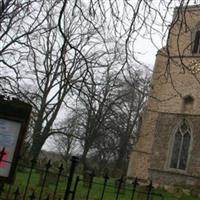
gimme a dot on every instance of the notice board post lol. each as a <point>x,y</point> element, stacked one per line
<point>14,118</point>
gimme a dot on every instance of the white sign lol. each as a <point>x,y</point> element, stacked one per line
<point>9,132</point>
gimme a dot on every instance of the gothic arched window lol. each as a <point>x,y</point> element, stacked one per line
<point>181,145</point>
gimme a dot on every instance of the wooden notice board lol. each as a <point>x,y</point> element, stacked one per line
<point>14,118</point>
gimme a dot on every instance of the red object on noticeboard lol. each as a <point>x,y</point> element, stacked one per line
<point>4,159</point>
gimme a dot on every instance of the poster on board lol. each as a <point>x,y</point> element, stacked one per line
<point>9,133</point>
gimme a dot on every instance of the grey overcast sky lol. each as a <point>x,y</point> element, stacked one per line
<point>146,47</point>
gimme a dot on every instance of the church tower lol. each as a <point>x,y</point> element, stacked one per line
<point>168,147</point>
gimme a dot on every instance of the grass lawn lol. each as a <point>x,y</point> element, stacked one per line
<point>82,191</point>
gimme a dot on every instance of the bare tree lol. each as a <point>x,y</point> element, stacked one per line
<point>47,76</point>
<point>120,129</point>
<point>18,20</point>
<point>66,137</point>
<point>117,25</point>
<point>54,65</point>
<point>55,48</point>
<point>127,114</point>
<point>94,103</point>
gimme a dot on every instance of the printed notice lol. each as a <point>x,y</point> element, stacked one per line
<point>9,132</point>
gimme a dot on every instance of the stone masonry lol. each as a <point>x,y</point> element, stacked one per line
<point>175,77</point>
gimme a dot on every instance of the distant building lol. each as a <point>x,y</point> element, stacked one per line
<point>168,148</point>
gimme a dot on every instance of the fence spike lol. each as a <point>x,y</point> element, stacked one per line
<point>92,174</point>
<point>60,170</point>
<point>48,197</point>
<point>120,182</point>
<point>32,196</point>
<point>48,165</point>
<point>8,192</point>
<point>74,162</point>
<point>75,187</point>
<point>150,187</point>
<point>106,177</point>
<point>135,183</point>
<point>33,163</point>
<point>16,193</point>
<point>1,188</point>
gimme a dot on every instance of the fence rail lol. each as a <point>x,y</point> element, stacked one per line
<point>50,183</point>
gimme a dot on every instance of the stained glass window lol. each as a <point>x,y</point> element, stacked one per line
<point>181,146</point>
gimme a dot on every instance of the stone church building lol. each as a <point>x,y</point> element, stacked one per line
<point>168,147</point>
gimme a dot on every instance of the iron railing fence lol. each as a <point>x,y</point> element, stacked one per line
<point>53,183</point>
<point>117,189</point>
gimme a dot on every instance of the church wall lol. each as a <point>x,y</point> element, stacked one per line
<point>182,30</point>
<point>172,81</point>
<point>160,171</point>
<point>163,178</point>
<point>169,89</point>
<point>172,77</point>
<point>140,156</point>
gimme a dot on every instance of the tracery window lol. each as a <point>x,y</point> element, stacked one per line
<point>181,145</point>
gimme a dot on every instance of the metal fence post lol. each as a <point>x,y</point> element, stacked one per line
<point>90,184</point>
<point>74,162</point>
<point>48,166</point>
<point>106,177</point>
<point>33,163</point>
<point>150,187</point>
<point>2,153</point>
<point>119,186</point>
<point>16,194</point>
<point>75,187</point>
<point>60,170</point>
<point>135,183</point>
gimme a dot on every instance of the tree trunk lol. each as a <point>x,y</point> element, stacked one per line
<point>121,162</point>
<point>85,163</point>
<point>84,160</point>
<point>38,142</point>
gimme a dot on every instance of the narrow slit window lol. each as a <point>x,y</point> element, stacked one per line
<point>196,47</point>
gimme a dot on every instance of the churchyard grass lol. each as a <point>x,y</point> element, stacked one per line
<point>110,194</point>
